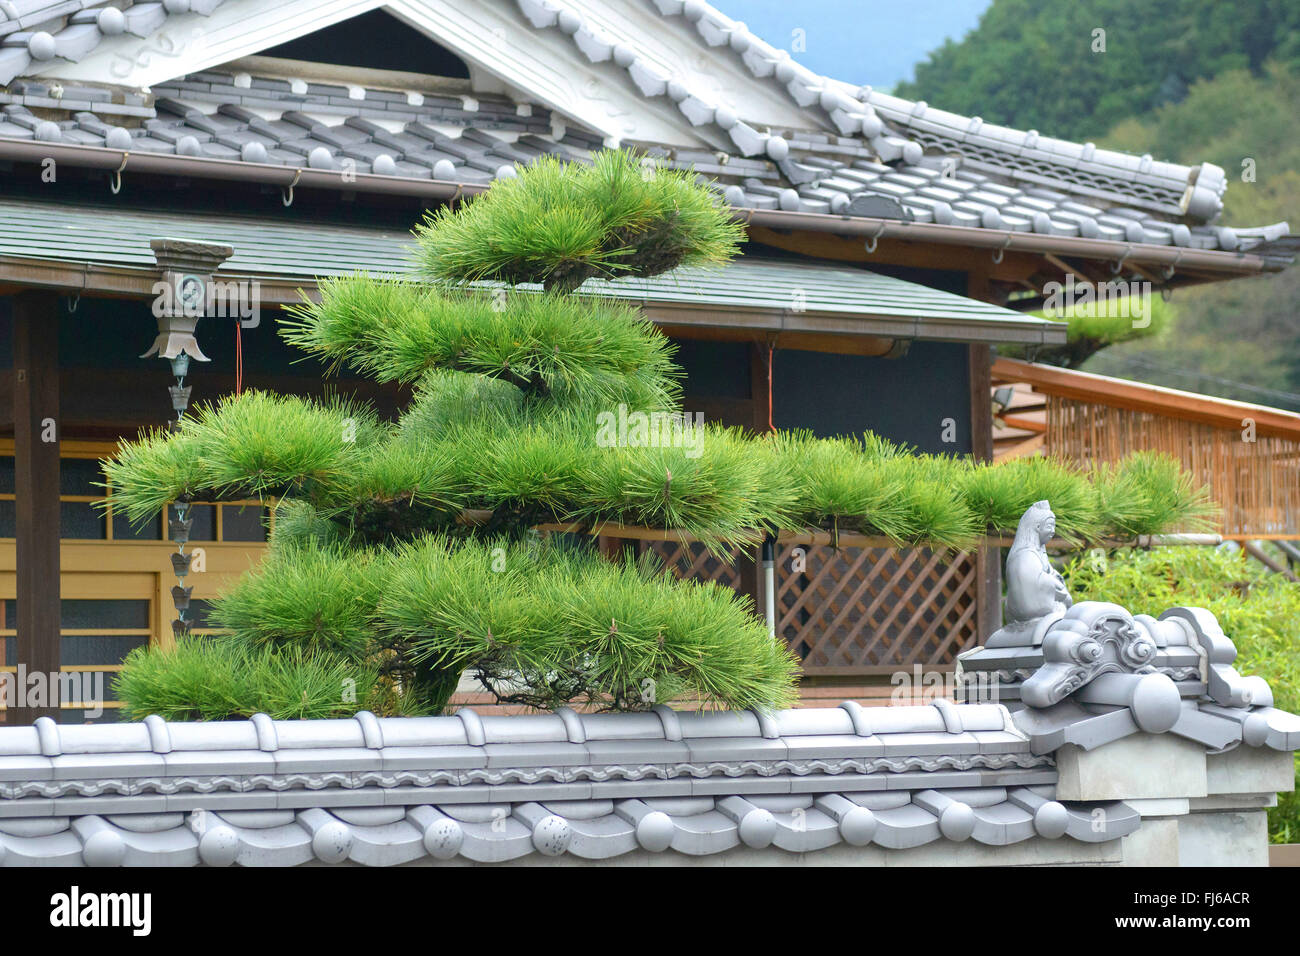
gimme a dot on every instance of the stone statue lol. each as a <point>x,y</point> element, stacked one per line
<point>1036,592</point>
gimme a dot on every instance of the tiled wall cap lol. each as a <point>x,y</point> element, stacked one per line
<point>371,732</point>
<point>104,847</point>
<point>443,838</point>
<point>552,835</point>
<point>668,717</point>
<point>757,828</point>
<point>267,739</point>
<point>160,737</point>
<point>1156,703</point>
<point>861,722</point>
<point>1051,820</point>
<point>956,819</point>
<point>474,733</point>
<point>1254,730</point>
<point>47,732</point>
<point>332,842</point>
<point>655,831</point>
<point>766,725</point>
<point>219,846</point>
<point>957,822</point>
<point>950,714</point>
<point>577,734</point>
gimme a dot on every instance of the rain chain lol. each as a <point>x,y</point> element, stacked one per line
<point>179,526</point>
<point>187,268</point>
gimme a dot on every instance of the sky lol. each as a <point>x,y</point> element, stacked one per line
<point>867,42</point>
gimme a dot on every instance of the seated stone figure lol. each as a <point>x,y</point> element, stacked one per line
<point>1036,592</point>
<point>1101,653</point>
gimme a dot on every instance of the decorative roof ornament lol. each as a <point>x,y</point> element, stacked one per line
<point>1093,672</point>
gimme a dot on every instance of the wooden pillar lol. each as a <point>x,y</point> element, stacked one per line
<point>36,490</point>
<point>988,564</point>
<point>748,563</point>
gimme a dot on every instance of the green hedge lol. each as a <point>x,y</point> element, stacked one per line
<point>1259,611</point>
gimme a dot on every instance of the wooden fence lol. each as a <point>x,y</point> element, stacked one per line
<point>1254,478</point>
<point>1248,455</point>
<point>855,610</point>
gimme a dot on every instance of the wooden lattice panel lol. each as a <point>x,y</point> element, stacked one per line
<point>876,607</point>
<point>693,562</point>
<point>859,608</point>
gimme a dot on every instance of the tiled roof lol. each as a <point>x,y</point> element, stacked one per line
<point>34,32</point>
<point>269,248</point>
<point>491,789</point>
<point>1001,179</point>
<point>861,153</point>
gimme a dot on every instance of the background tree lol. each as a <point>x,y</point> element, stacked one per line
<point>1188,81</point>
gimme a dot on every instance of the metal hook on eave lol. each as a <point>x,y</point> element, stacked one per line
<point>115,178</point>
<point>870,244</point>
<point>286,193</point>
<point>998,253</point>
<point>1168,272</point>
<point>1117,266</point>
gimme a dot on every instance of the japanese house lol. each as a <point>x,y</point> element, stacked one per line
<point>891,244</point>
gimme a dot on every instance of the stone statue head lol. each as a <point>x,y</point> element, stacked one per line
<point>1037,525</point>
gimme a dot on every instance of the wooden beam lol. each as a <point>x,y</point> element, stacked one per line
<point>898,252</point>
<point>988,570</point>
<point>1140,397</point>
<point>870,345</point>
<point>1026,424</point>
<point>36,492</point>
<point>1030,446</point>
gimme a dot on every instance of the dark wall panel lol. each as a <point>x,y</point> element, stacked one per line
<point>905,399</point>
<point>715,369</point>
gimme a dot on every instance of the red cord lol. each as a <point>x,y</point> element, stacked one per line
<point>239,358</point>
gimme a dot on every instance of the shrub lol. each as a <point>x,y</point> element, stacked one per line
<point>1259,612</point>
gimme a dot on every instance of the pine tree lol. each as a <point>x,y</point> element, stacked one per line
<point>407,554</point>
<point>402,554</point>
